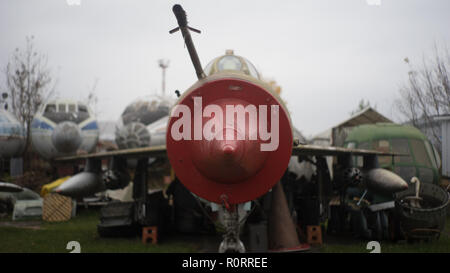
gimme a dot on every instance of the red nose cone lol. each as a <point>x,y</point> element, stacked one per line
<point>228,150</point>
<point>228,161</point>
<point>223,157</point>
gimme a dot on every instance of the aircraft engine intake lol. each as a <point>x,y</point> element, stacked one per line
<point>133,135</point>
<point>229,138</point>
<point>67,137</point>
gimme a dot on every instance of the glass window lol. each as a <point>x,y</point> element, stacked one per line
<point>50,108</point>
<point>431,154</point>
<point>59,112</point>
<point>401,146</point>
<point>252,70</point>
<point>351,145</point>
<point>209,67</point>
<point>230,63</point>
<point>382,145</point>
<point>82,108</point>
<point>72,108</point>
<point>420,153</point>
<point>360,159</point>
<point>365,145</point>
<point>437,157</point>
<point>61,108</point>
<point>83,113</point>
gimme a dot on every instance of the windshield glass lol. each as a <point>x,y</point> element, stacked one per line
<point>229,63</point>
<point>401,146</point>
<point>66,112</point>
<point>382,145</point>
<point>420,153</point>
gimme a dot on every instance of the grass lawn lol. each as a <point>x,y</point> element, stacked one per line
<point>353,245</point>
<point>53,238</point>
<point>44,237</point>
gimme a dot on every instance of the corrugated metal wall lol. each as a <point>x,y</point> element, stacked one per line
<point>446,147</point>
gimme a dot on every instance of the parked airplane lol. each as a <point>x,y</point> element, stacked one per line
<point>12,135</point>
<point>64,127</point>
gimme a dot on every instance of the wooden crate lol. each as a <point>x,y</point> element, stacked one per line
<point>56,208</point>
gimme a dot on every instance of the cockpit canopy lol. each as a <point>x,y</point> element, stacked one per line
<point>146,110</point>
<point>59,111</point>
<point>231,62</point>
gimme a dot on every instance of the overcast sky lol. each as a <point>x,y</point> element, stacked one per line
<point>326,55</point>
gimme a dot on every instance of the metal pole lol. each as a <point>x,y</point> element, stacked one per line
<point>180,14</point>
<point>164,81</point>
<point>163,64</point>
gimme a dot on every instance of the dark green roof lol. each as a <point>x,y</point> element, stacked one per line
<point>368,132</point>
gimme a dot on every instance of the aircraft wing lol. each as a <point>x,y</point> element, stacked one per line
<point>160,151</point>
<point>153,151</point>
<point>9,187</point>
<point>85,183</point>
<point>335,151</point>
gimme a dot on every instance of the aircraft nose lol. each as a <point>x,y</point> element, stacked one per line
<point>66,137</point>
<point>133,135</point>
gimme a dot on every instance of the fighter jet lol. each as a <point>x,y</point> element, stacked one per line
<point>231,161</point>
<point>64,127</point>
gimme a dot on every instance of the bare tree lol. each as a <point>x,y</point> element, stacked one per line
<point>29,84</point>
<point>92,98</point>
<point>427,93</point>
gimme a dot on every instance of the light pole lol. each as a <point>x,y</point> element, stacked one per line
<point>163,63</point>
